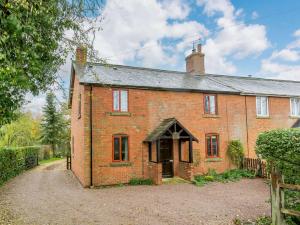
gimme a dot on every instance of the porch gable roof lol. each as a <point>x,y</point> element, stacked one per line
<point>163,127</point>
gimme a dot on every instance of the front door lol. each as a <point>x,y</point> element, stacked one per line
<point>166,156</point>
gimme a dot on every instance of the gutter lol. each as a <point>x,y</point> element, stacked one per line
<point>91,138</point>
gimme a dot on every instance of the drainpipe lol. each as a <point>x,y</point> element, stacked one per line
<point>246,108</point>
<point>91,137</point>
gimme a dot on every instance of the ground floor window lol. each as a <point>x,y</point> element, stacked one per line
<point>120,148</point>
<point>212,145</point>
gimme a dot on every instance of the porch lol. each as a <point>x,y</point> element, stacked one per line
<point>170,151</point>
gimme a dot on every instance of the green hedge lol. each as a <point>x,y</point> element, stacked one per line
<point>15,160</point>
<point>282,148</point>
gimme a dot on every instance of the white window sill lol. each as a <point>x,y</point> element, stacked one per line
<point>210,116</point>
<point>262,117</point>
<point>119,113</point>
<point>294,117</point>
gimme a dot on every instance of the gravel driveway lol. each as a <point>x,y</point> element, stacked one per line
<point>49,194</point>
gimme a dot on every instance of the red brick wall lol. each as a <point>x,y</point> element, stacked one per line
<point>186,170</point>
<point>77,132</point>
<point>147,108</point>
<point>155,172</point>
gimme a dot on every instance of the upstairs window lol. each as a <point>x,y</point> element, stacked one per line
<point>295,107</point>
<point>120,148</point>
<point>262,106</point>
<point>120,100</point>
<point>210,104</point>
<point>212,145</point>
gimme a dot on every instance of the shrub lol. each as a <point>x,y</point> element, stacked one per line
<point>140,181</point>
<point>14,160</point>
<point>227,176</point>
<point>236,152</point>
<point>209,178</point>
<point>282,148</point>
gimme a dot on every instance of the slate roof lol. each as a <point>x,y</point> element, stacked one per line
<point>163,127</point>
<point>137,77</point>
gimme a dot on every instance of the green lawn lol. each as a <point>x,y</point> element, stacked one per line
<point>49,160</point>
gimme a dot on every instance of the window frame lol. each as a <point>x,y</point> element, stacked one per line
<point>119,136</point>
<point>216,104</point>
<point>291,107</point>
<point>120,100</point>
<point>218,145</point>
<point>268,112</point>
<point>79,106</point>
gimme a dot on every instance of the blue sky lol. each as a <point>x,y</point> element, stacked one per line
<point>239,37</point>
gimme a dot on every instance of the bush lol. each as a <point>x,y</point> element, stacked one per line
<point>14,160</point>
<point>227,176</point>
<point>281,148</point>
<point>236,152</point>
<point>140,181</point>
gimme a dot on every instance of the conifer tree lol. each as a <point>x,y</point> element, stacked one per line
<point>50,126</point>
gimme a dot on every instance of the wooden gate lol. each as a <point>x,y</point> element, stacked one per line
<point>256,165</point>
<point>277,198</point>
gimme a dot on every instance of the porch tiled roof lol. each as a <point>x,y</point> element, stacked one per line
<point>163,127</point>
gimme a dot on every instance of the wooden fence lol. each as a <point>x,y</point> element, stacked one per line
<point>277,198</point>
<point>256,165</point>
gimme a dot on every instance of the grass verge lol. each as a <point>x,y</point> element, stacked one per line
<point>49,160</point>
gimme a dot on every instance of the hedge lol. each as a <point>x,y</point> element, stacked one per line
<point>282,148</point>
<point>15,160</point>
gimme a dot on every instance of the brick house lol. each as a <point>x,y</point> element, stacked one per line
<point>132,122</point>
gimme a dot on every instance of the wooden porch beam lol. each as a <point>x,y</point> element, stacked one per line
<point>158,150</point>
<point>191,150</point>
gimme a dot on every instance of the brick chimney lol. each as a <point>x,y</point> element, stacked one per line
<point>81,55</point>
<point>195,62</point>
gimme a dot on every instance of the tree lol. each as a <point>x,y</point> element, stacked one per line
<point>65,131</point>
<point>25,131</point>
<point>33,45</point>
<point>51,121</point>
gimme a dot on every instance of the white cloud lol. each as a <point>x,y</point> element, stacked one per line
<point>234,40</point>
<point>34,104</point>
<point>279,70</point>
<point>254,15</point>
<point>135,28</point>
<point>286,55</point>
<point>284,63</point>
<point>297,33</point>
<point>176,9</point>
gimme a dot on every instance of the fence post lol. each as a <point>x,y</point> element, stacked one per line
<point>277,216</point>
<point>37,159</point>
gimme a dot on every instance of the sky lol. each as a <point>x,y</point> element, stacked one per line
<point>239,37</point>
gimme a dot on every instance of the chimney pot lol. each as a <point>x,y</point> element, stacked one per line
<point>199,48</point>
<point>81,55</point>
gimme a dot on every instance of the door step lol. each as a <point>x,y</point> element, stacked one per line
<point>174,180</point>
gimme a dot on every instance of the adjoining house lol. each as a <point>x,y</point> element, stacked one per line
<point>131,122</point>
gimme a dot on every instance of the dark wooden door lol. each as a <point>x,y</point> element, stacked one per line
<point>166,156</point>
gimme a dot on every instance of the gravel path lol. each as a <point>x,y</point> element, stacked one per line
<point>49,194</point>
